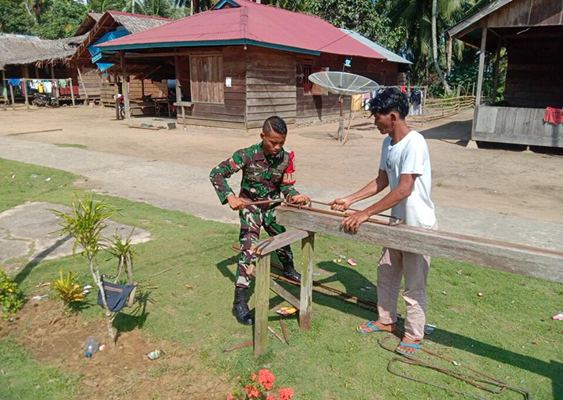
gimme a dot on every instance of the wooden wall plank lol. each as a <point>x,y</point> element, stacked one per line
<point>525,260</point>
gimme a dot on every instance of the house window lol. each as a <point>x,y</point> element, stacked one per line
<point>307,85</point>
<point>207,84</point>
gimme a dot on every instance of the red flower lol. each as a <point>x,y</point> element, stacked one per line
<point>266,378</point>
<point>286,393</point>
<point>252,391</point>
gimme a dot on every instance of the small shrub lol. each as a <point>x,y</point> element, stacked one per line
<point>11,297</point>
<point>67,289</point>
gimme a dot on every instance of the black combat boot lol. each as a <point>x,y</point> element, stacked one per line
<point>290,273</point>
<point>240,306</point>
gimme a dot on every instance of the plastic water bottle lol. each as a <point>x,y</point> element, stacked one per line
<point>92,345</point>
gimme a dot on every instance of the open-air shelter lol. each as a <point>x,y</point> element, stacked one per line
<point>531,32</point>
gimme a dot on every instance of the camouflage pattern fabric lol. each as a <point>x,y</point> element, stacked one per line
<point>264,178</point>
<point>251,219</point>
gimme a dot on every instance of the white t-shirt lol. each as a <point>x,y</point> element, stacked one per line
<point>410,156</point>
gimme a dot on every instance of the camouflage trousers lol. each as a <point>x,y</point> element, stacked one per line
<point>252,218</point>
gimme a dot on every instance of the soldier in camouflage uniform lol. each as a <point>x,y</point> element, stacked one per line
<point>268,171</point>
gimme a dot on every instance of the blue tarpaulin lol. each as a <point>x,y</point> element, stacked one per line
<point>96,52</point>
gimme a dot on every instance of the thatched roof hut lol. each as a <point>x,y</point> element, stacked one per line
<point>22,49</point>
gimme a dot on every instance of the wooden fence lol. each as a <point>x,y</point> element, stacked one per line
<point>434,109</point>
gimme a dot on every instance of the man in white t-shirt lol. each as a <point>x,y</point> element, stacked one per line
<point>405,168</point>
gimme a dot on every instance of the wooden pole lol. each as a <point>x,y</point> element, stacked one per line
<point>116,91</point>
<point>306,298</point>
<point>25,93</point>
<point>179,90</point>
<point>12,95</point>
<point>55,86</point>
<point>5,86</point>
<point>262,293</point>
<point>481,67</point>
<point>497,66</point>
<point>71,91</point>
<point>83,85</point>
<point>125,85</point>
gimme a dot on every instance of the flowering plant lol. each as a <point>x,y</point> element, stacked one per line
<point>260,387</point>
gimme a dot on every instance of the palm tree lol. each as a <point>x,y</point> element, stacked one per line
<point>435,47</point>
<point>426,24</point>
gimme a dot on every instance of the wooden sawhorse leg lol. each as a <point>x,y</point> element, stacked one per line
<point>306,297</point>
<point>262,293</point>
<point>264,284</point>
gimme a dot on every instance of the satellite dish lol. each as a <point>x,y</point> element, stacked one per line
<point>343,84</point>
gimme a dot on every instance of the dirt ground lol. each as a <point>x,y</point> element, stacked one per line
<point>118,372</point>
<point>520,183</point>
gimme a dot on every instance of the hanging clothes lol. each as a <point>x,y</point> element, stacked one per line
<point>553,116</point>
<point>416,102</point>
<point>48,87</point>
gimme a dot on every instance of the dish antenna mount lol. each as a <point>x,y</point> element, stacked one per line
<point>343,84</point>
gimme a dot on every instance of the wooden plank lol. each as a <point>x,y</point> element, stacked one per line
<point>263,116</point>
<point>270,95</point>
<point>283,239</point>
<point>262,293</point>
<point>281,291</point>
<point>270,102</point>
<point>306,298</point>
<point>504,256</point>
<point>271,81</point>
<point>268,88</point>
<point>271,109</point>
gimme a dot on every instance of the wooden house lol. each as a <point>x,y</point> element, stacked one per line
<point>531,31</point>
<point>241,62</point>
<point>99,81</point>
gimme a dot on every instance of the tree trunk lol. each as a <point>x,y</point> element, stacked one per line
<point>98,281</point>
<point>435,47</point>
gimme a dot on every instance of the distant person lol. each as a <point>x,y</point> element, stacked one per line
<point>405,167</point>
<point>268,170</point>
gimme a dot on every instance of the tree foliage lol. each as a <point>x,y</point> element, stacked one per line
<point>362,16</point>
<point>14,18</point>
<point>61,19</point>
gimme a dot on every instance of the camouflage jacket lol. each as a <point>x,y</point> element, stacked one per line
<point>264,177</point>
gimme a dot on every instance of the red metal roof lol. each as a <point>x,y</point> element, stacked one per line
<point>249,23</point>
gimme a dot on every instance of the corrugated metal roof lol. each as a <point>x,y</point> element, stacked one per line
<point>380,49</point>
<point>250,23</point>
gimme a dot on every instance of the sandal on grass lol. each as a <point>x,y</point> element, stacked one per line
<point>416,348</point>
<point>370,325</point>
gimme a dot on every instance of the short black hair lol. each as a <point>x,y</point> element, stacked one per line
<point>275,124</point>
<point>388,100</point>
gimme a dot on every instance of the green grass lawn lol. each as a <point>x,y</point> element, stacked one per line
<point>507,333</point>
<point>22,378</point>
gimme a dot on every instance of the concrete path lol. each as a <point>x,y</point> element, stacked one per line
<point>187,188</point>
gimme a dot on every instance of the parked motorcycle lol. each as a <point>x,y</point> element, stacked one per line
<point>45,100</point>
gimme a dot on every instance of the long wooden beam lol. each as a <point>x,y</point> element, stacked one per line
<point>504,256</point>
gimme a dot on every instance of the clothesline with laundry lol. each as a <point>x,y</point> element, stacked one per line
<point>26,87</point>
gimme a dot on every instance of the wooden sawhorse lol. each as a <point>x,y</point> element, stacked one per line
<point>264,284</point>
